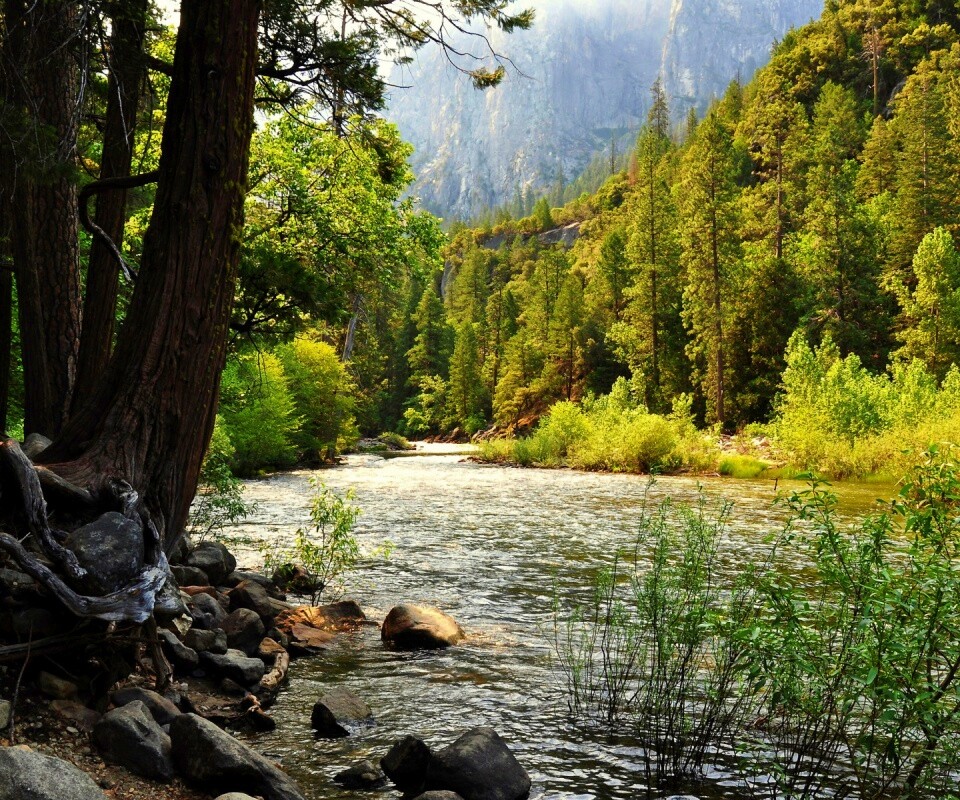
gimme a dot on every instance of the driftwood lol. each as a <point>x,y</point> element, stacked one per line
<point>136,601</point>
<point>271,682</point>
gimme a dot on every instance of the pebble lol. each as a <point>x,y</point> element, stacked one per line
<point>71,729</point>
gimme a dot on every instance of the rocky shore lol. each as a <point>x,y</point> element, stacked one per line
<point>164,730</point>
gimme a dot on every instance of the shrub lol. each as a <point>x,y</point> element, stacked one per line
<point>219,501</point>
<point>326,547</point>
<point>258,413</point>
<point>322,396</point>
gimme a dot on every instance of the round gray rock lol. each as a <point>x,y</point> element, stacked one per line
<point>413,627</point>
<point>479,766</point>
<point>111,550</point>
<point>30,776</point>
<point>244,630</point>
<point>214,559</point>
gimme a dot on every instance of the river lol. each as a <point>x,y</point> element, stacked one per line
<point>489,545</point>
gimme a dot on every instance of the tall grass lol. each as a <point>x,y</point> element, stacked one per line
<point>829,669</point>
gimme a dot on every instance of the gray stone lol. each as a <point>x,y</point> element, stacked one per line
<point>412,627</point>
<point>214,559</point>
<point>406,764</point>
<point>236,665</point>
<point>239,576</point>
<point>59,688</point>
<point>190,576</point>
<point>202,641</point>
<point>235,796</point>
<point>479,766</point>
<point>438,794</point>
<point>34,445</point>
<point>25,775</point>
<point>38,623</point>
<point>362,775</point>
<point>184,658</point>
<point>160,708</point>
<point>244,630</point>
<point>111,550</point>
<point>6,709</point>
<point>130,736</point>
<point>339,711</point>
<point>213,760</point>
<point>169,607</point>
<point>17,583</point>
<point>248,594</point>
<point>207,613</point>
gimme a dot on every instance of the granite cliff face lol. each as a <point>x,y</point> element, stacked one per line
<point>581,81</point>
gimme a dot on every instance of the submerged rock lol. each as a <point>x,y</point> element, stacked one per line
<point>413,627</point>
<point>362,775</point>
<point>339,711</point>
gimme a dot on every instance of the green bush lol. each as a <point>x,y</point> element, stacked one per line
<point>323,399</point>
<point>831,665</point>
<point>258,413</point>
<point>219,501</point>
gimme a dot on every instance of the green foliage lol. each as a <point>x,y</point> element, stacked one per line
<point>322,397</point>
<point>219,502</point>
<point>838,418</point>
<point>326,547</point>
<point>258,413</point>
<point>830,664</point>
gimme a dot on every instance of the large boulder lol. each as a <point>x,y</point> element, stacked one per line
<point>161,708</point>
<point>213,760</point>
<point>338,713</point>
<point>110,549</point>
<point>244,630</point>
<point>130,736</point>
<point>413,627</point>
<point>214,559</point>
<point>235,665</point>
<point>479,766</point>
<point>251,595</point>
<point>406,764</point>
<point>25,775</point>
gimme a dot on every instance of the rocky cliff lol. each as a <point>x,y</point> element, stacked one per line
<point>580,84</point>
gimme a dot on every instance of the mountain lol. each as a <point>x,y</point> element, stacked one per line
<point>579,84</point>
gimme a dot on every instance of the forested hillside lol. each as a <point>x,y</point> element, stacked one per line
<point>807,221</point>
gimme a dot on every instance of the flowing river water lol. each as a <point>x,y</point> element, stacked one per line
<point>491,546</point>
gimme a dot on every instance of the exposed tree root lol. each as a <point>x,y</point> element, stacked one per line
<point>136,601</point>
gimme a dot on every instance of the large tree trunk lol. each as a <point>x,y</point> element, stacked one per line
<point>127,69</point>
<point>152,414</point>
<point>41,88</point>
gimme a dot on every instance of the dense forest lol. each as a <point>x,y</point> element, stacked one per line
<point>787,259</point>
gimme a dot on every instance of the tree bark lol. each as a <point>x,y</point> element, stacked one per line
<point>42,89</point>
<point>152,414</point>
<point>127,68</point>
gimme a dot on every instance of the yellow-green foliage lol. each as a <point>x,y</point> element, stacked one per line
<point>610,433</point>
<point>837,418</point>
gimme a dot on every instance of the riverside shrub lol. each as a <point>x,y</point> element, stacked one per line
<point>830,666</point>
<point>837,418</point>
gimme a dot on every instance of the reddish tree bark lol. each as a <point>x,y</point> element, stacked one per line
<point>41,83</point>
<point>127,68</point>
<point>152,415</point>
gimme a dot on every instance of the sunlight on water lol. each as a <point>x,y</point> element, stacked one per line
<point>488,545</point>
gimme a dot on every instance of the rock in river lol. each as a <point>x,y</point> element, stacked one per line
<point>479,766</point>
<point>339,711</point>
<point>412,627</point>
